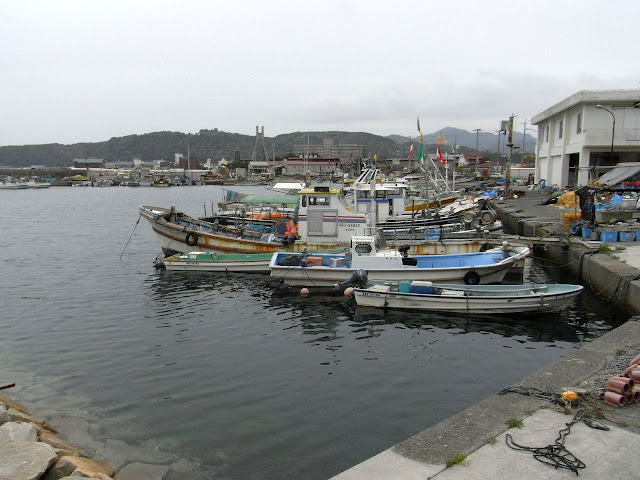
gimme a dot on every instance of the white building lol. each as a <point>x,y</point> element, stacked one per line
<point>575,136</point>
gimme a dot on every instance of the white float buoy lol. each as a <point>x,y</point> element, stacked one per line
<point>304,292</point>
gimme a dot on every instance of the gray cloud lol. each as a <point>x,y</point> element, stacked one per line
<point>85,71</point>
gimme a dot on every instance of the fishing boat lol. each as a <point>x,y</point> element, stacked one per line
<point>32,183</point>
<point>9,185</point>
<point>469,299</point>
<point>383,264</point>
<point>219,262</point>
<point>180,233</point>
<point>223,262</point>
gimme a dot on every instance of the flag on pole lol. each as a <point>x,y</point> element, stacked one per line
<point>375,158</point>
<point>445,141</point>
<point>419,124</point>
<point>421,139</point>
<point>410,152</point>
<point>438,140</point>
<point>420,155</point>
<point>440,159</point>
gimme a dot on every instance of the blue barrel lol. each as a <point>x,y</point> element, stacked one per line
<point>586,232</point>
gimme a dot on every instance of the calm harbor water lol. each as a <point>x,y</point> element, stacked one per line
<point>222,370</point>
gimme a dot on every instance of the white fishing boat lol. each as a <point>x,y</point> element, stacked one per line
<point>33,183</point>
<point>383,264</point>
<point>469,299</point>
<point>12,186</point>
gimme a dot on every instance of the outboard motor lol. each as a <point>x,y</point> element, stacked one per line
<point>358,279</point>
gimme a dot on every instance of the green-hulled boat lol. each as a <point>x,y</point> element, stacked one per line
<point>225,262</point>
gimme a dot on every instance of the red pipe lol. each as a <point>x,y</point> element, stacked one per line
<point>614,399</point>
<point>617,387</point>
<point>628,381</point>
<point>629,370</point>
<point>636,393</point>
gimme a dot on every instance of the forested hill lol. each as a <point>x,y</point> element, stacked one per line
<point>214,144</point>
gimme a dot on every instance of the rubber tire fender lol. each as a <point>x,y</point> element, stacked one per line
<point>191,239</point>
<point>471,278</point>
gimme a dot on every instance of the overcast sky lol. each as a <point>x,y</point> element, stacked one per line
<point>73,71</point>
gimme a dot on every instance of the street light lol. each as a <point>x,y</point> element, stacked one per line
<point>613,130</point>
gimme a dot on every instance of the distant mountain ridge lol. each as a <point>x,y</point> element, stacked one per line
<point>216,144</point>
<point>487,141</point>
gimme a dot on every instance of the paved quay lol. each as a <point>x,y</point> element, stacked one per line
<point>479,432</point>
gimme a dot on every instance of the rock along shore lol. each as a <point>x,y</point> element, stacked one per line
<point>30,449</point>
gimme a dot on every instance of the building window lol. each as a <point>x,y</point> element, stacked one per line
<point>547,137</point>
<point>560,129</point>
<point>579,126</point>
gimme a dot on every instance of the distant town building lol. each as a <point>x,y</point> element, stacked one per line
<point>191,163</point>
<point>303,166</point>
<point>88,162</point>
<point>576,138</point>
<point>120,164</point>
<point>328,149</point>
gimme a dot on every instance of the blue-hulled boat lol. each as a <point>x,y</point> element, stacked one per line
<point>327,270</point>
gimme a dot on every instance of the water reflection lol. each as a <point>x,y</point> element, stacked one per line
<point>321,316</point>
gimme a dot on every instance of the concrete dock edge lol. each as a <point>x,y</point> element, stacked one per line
<point>425,454</point>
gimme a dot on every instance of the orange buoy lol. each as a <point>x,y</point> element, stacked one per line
<point>348,291</point>
<point>304,292</point>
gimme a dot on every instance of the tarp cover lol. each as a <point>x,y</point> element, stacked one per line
<point>618,174</point>
<point>281,199</point>
<point>568,200</point>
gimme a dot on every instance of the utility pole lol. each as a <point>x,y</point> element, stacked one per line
<point>476,130</point>
<point>510,145</point>
<point>524,134</point>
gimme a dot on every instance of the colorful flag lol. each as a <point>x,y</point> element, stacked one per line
<point>440,159</point>
<point>418,123</point>
<point>438,140</point>
<point>420,154</point>
<point>421,139</point>
<point>410,152</point>
<point>375,157</point>
<point>445,141</point>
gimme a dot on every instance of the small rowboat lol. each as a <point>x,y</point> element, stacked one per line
<point>219,262</point>
<point>473,299</point>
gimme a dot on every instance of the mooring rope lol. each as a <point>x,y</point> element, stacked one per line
<point>555,454</point>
